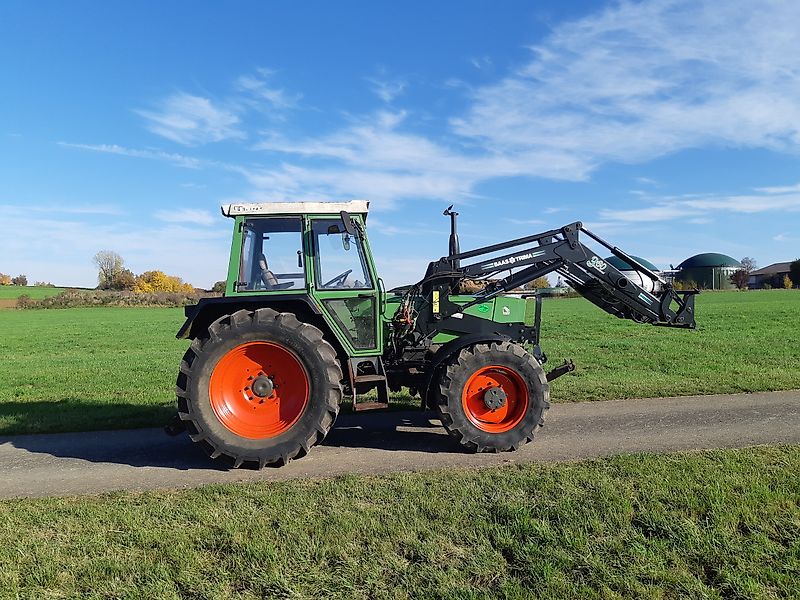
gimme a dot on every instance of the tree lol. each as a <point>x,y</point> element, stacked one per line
<point>748,264</point>
<point>20,280</point>
<point>739,278</point>
<point>794,272</point>
<point>109,266</point>
<point>538,284</point>
<point>787,282</point>
<point>219,287</point>
<point>125,280</point>
<point>5,279</point>
<point>158,281</point>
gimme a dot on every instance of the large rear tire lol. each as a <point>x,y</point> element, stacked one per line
<point>262,388</point>
<point>492,397</point>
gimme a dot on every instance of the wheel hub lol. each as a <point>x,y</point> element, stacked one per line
<point>494,398</point>
<point>259,390</point>
<point>263,387</point>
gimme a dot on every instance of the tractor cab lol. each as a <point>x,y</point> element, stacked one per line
<point>314,249</point>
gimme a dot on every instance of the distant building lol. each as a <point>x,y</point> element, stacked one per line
<point>640,279</point>
<point>772,275</point>
<point>710,271</point>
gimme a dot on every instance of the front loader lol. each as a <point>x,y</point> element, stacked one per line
<point>305,322</point>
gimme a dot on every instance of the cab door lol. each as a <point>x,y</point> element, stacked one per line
<point>345,283</point>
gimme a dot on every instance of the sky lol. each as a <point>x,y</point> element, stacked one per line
<point>669,127</point>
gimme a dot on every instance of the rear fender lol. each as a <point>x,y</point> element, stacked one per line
<point>199,316</point>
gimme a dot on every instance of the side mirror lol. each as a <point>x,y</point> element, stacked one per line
<point>347,222</point>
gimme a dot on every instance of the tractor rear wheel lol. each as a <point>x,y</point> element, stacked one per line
<point>492,397</point>
<point>262,388</point>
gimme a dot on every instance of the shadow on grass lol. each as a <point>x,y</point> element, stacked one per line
<point>152,447</point>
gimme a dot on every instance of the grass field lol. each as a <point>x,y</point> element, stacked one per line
<point>723,524</point>
<point>99,368</point>
<point>12,292</point>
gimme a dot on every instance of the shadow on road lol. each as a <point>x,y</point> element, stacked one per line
<point>392,430</point>
<point>409,431</point>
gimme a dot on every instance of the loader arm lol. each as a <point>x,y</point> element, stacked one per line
<point>563,251</point>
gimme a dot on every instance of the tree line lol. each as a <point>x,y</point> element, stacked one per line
<point>112,275</point>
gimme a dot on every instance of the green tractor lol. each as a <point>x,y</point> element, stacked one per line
<point>305,321</point>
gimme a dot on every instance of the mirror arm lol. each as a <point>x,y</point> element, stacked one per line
<point>347,222</point>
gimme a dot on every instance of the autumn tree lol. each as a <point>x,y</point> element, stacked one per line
<point>787,282</point>
<point>5,279</point>
<point>158,281</point>
<point>20,280</point>
<point>109,266</point>
<point>538,284</point>
<point>125,280</point>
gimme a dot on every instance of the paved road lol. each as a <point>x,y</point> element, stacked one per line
<point>143,459</point>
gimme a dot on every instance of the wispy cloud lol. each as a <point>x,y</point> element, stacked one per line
<point>697,209</point>
<point>387,89</point>
<point>259,86</point>
<point>481,63</point>
<point>177,159</point>
<point>191,216</point>
<point>192,120</point>
<point>640,80</point>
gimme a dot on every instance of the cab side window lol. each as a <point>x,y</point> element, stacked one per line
<point>339,257</point>
<point>272,250</point>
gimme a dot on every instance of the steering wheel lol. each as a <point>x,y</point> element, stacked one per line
<point>338,280</point>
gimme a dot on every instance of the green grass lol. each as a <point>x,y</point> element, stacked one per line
<point>745,342</point>
<point>100,368</point>
<point>89,368</point>
<point>12,292</point>
<point>722,524</point>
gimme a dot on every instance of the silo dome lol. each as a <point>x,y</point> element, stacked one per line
<point>709,259</point>
<point>640,279</point>
<point>710,270</point>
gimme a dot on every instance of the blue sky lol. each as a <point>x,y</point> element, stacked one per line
<point>669,127</point>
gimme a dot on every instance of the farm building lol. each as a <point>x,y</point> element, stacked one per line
<point>710,271</point>
<point>772,275</point>
<point>638,278</point>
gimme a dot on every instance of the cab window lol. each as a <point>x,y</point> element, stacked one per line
<point>339,261</point>
<point>272,251</point>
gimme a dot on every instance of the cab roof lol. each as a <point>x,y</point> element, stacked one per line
<point>359,207</point>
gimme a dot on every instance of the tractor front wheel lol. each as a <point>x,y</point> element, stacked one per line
<point>262,388</point>
<point>492,397</point>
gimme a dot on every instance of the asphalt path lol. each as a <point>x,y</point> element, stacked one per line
<point>146,459</point>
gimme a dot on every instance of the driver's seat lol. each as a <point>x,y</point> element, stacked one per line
<point>268,277</point>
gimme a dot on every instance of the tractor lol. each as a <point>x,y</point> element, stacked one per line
<point>305,322</point>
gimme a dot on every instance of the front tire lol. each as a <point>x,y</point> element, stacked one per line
<point>262,388</point>
<point>492,397</point>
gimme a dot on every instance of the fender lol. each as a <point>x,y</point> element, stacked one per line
<point>207,310</point>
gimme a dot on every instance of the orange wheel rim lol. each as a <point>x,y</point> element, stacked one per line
<point>259,390</point>
<point>495,399</point>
